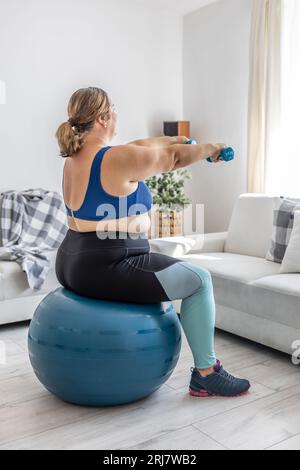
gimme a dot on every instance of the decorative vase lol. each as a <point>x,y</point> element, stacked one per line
<point>166,224</point>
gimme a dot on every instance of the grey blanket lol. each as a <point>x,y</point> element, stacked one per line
<point>33,223</point>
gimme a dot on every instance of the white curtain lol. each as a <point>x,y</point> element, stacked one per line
<point>283,171</point>
<point>264,90</point>
<point>274,98</point>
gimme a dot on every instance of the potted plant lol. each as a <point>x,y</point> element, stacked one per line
<point>169,198</point>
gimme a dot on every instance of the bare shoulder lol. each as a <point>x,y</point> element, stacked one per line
<point>126,156</point>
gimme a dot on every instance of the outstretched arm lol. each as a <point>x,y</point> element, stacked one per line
<point>159,142</point>
<point>132,163</point>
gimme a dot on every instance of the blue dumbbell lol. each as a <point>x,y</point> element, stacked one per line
<point>227,154</point>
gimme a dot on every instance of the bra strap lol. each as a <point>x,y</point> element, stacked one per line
<point>94,182</point>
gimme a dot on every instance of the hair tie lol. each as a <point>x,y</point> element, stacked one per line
<point>81,128</point>
<point>72,122</point>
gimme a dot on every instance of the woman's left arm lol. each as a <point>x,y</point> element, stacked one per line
<point>164,141</point>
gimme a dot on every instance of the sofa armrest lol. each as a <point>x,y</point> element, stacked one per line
<point>209,242</point>
<point>171,246</point>
<point>180,246</point>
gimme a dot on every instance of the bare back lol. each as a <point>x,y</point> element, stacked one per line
<point>113,180</point>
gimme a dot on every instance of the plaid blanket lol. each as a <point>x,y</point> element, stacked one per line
<point>33,224</point>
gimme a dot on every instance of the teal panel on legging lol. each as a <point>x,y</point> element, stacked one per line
<point>193,284</point>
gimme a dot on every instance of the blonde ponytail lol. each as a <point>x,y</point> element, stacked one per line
<point>84,107</point>
<point>70,141</point>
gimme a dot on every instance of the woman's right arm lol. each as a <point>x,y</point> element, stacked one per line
<point>189,154</point>
<point>136,163</point>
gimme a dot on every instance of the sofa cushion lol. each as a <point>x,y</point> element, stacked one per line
<point>288,284</point>
<point>13,281</point>
<point>236,267</point>
<point>243,283</point>
<point>251,225</point>
<point>276,298</point>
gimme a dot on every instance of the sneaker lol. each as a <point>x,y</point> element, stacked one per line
<point>217,384</point>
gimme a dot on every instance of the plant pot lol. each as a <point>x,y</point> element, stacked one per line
<point>166,224</point>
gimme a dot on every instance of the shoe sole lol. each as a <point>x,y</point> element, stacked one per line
<point>205,394</point>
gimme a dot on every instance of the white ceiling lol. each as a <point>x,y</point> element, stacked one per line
<point>181,7</point>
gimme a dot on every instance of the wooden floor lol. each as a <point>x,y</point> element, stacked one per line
<point>267,418</point>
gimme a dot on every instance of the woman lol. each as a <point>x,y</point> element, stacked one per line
<point>106,253</point>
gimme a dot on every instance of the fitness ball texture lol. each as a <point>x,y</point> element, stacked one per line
<point>99,353</point>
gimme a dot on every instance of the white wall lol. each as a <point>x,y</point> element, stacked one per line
<point>215,99</point>
<point>48,49</point>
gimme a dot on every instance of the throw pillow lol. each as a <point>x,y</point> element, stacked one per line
<point>283,221</point>
<point>291,260</point>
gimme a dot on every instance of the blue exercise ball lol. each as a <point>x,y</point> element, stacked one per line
<point>99,353</point>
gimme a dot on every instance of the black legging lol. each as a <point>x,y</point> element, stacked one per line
<point>110,269</point>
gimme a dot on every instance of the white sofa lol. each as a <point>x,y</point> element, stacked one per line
<point>253,300</point>
<point>17,301</point>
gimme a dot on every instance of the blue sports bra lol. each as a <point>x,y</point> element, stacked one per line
<point>99,205</point>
